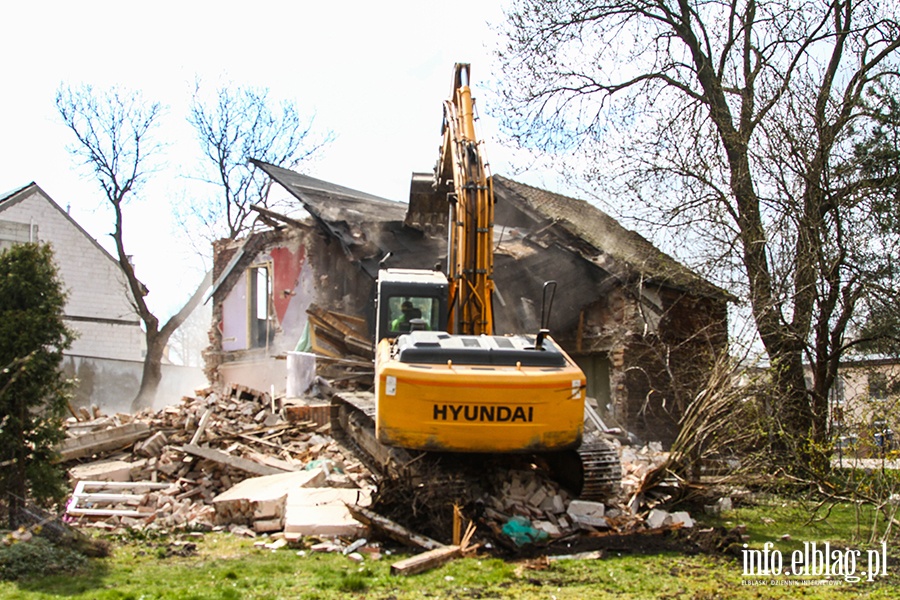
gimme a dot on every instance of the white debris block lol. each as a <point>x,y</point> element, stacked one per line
<point>657,518</point>
<point>102,470</point>
<point>270,487</point>
<point>267,526</point>
<point>681,517</point>
<point>323,511</point>
<point>262,498</point>
<point>585,512</point>
<point>548,527</point>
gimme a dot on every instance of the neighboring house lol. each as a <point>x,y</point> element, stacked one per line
<point>107,355</point>
<point>865,404</point>
<point>643,327</point>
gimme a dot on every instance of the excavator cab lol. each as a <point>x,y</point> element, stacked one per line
<point>410,300</point>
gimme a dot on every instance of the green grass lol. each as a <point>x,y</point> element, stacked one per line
<point>225,567</point>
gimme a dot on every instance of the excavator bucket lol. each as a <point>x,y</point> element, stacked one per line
<point>428,208</point>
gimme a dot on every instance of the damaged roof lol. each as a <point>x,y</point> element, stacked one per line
<point>599,238</point>
<point>541,236</point>
<point>367,226</point>
<point>334,203</point>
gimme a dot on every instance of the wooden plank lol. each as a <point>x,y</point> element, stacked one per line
<point>201,427</point>
<point>425,561</point>
<point>102,512</point>
<point>237,462</point>
<point>392,529</point>
<point>113,438</point>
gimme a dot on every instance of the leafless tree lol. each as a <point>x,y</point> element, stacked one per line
<point>239,124</point>
<point>734,122</point>
<point>115,130</point>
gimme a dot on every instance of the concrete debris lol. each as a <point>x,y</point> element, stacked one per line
<point>323,512</point>
<point>214,460</point>
<point>659,518</point>
<point>584,512</point>
<point>254,465</point>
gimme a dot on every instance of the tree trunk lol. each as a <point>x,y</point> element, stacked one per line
<point>152,372</point>
<point>156,345</point>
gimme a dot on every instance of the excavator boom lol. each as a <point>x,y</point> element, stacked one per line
<point>444,383</point>
<point>461,178</point>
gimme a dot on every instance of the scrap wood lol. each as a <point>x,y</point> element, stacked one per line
<point>392,529</point>
<point>105,440</point>
<point>201,427</point>
<point>351,327</point>
<point>343,334</point>
<point>425,561</point>
<point>237,462</point>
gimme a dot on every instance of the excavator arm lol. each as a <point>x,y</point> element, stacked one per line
<point>461,175</point>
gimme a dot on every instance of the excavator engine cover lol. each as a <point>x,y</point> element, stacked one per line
<point>462,393</point>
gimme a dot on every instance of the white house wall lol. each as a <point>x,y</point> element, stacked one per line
<point>98,306</point>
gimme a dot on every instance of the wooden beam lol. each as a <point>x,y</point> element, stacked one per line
<point>425,561</point>
<point>105,440</point>
<point>237,462</point>
<point>392,529</point>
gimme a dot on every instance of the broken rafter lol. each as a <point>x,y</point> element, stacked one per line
<point>272,216</point>
<point>425,561</point>
<point>393,529</point>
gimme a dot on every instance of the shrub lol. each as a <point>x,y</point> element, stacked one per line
<point>38,557</point>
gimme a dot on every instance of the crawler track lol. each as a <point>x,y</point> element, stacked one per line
<point>593,472</point>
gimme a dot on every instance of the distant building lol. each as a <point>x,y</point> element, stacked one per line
<point>107,355</point>
<point>865,404</point>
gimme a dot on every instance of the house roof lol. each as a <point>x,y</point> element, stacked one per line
<point>334,203</point>
<point>601,239</point>
<point>366,226</point>
<point>561,238</point>
<point>14,197</point>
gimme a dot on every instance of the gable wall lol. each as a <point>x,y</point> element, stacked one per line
<point>97,306</point>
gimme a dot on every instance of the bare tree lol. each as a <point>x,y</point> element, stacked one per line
<point>239,124</point>
<point>735,122</point>
<point>115,138</point>
<point>114,132</point>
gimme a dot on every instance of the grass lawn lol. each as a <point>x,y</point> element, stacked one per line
<point>222,566</point>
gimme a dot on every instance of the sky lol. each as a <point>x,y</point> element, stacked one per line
<point>373,73</point>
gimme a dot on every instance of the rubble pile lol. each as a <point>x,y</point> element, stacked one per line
<point>169,467</point>
<point>243,461</point>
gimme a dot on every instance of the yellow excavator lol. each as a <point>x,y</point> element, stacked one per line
<point>444,382</point>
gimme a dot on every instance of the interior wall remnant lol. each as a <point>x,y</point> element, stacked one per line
<point>253,332</point>
<point>266,308</point>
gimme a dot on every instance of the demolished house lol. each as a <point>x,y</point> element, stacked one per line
<point>644,328</point>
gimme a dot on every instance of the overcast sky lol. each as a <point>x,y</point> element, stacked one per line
<point>374,73</point>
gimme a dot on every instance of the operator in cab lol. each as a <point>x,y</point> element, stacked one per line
<point>407,314</point>
<point>410,319</point>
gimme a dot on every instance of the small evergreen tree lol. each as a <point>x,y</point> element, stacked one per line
<point>33,391</point>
